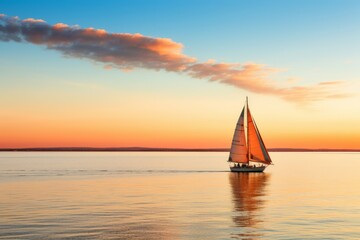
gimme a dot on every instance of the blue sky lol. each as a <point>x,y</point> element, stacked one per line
<point>309,38</point>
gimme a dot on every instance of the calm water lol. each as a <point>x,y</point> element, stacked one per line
<point>177,196</point>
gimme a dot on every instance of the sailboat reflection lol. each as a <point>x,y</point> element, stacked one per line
<point>248,192</point>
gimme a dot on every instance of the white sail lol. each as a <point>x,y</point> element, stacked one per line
<point>239,150</point>
<point>256,147</point>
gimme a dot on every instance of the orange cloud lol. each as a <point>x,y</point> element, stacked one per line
<point>32,20</point>
<point>250,76</point>
<point>59,26</point>
<point>128,51</point>
<point>255,78</point>
<point>121,50</point>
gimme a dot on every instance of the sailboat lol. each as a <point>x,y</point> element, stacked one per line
<point>248,152</point>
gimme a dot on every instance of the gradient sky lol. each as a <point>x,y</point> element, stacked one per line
<point>48,99</point>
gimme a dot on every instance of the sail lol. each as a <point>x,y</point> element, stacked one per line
<point>257,149</point>
<point>239,152</point>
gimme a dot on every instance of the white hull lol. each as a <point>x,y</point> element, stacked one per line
<point>247,169</point>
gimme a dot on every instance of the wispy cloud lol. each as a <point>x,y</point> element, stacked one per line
<point>128,51</point>
<point>256,78</point>
<point>249,76</point>
<point>119,50</point>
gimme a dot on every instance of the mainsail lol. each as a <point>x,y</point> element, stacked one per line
<point>239,151</point>
<point>247,144</point>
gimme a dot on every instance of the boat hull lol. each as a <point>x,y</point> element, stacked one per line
<point>247,169</point>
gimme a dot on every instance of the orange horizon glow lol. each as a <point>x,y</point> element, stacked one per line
<point>79,138</point>
<point>156,125</point>
<point>204,125</point>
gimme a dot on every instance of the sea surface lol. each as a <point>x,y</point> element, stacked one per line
<point>177,195</point>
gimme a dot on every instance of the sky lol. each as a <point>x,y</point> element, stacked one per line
<point>176,73</point>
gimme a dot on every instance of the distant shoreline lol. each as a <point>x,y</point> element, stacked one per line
<point>145,149</point>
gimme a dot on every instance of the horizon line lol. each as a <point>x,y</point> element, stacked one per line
<point>161,149</point>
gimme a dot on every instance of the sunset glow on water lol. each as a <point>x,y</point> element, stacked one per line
<point>177,196</point>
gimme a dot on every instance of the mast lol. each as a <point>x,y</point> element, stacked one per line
<point>247,129</point>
